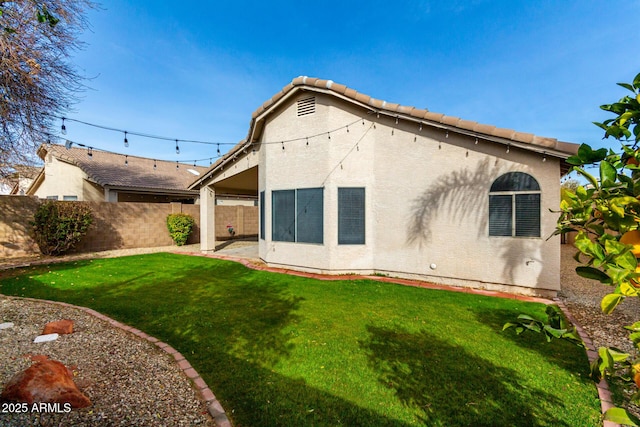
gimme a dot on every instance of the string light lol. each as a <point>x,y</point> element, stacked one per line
<point>476,140</point>
<point>126,160</point>
<point>307,141</point>
<point>177,148</point>
<point>282,146</point>
<point>177,165</point>
<point>420,128</point>
<point>218,150</point>
<point>63,129</point>
<point>329,135</point>
<point>141,134</point>
<point>90,152</point>
<point>508,148</point>
<point>155,165</point>
<point>447,135</point>
<point>544,156</point>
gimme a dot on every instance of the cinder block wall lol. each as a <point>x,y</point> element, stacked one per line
<point>243,219</point>
<point>133,225</point>
<point>15,214</point>
<point>118,225</point>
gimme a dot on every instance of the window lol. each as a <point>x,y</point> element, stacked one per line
<point>298,215</point>
<point>70,198</point>
<point>351,216</point>
<point>52,197</point>
<point>514,206</point>
<point>262,207</point>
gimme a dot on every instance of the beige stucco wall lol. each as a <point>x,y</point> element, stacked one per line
<point>63,179</point>
<point>407,172</point>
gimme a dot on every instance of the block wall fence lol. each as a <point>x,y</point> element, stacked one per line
<point>118,225</point>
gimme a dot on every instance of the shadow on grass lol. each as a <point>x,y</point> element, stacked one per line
<point>450,386</point>
<point>554,352</point>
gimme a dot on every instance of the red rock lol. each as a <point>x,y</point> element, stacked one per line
<point>37,357</point>
<point>64,326</point>
<point>47,381</point>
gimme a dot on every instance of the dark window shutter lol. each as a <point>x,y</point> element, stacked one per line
<point>527,215</point>
<point>351,216</point>
<point>310,215</point>
<point>262,208</point>
<point>283,212</point>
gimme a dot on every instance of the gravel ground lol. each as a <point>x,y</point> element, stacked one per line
<point>129,380</point>
<point>582,297</point>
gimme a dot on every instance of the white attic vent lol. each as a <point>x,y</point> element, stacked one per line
<point>306,106</point>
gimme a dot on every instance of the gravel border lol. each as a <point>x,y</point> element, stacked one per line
<point>132,379</point>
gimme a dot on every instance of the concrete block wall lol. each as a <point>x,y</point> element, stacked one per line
<point>243,219</point>
<point>118,225</point>
<point>115,226</point>
<point>15,214</point>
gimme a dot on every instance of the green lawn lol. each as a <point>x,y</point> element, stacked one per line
<point>290,351</point>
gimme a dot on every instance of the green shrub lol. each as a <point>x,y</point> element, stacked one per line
<point>59,226</point>
<point>180,226</point>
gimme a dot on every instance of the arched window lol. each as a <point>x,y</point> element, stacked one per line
<point>514,206</point>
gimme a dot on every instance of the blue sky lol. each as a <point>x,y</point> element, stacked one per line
<point>197,70</point>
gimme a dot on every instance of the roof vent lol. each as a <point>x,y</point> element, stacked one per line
<point>306,106</point>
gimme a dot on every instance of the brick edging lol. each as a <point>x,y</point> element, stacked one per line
<point>606,402</point>
<point>214,407</point>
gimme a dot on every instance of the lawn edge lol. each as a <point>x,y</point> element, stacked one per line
<point>214,407</point>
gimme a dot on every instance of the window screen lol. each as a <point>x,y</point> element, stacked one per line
<point>309,221</point>
<point>351,216</point>
<point>514,206</point>
<point>298,215</point>
<point>527,215</point>
<point>283,218</point>
<point>262,198</point>
<point>500,215</point>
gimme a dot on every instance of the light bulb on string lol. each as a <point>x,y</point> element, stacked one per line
<point>126,141</point>
<point>447,135</point>
<point>218,150</point>
<point>476,140</point>
<point>177,148</point>
<point>63,129</point>
<point>420,128</point>
<point>329,135</point>
<point>544,156</point>
<point>307,141</point>
<point>508,148</point>
<point>155,165</point>
<point>126,160</point>
<point>90,152</point>
<point>210,161</point>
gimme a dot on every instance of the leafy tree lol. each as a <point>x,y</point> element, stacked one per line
<point>37,80</point>
<point>606,215</point>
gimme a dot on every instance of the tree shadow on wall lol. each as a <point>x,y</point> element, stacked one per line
<point>101,236</point>
<point>461,196</point>
<point>450,386</point>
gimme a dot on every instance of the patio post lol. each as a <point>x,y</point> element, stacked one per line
<point>207,218</point>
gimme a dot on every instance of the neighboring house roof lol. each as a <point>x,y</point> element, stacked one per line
<point>109,169</point>
<point>21,175</point>
<point>528,141</point>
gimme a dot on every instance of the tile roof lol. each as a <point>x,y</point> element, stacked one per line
<point>425,116</point>
<point>108,169</point>
<point>549,146</point>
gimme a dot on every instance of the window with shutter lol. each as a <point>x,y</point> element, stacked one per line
<point>514,206</point>
<point>351,216</point>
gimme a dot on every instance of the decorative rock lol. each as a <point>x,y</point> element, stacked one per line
<point>64,326</point>
<point>45,338</point>
<point>48,381</point>
<point>6,325</point>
